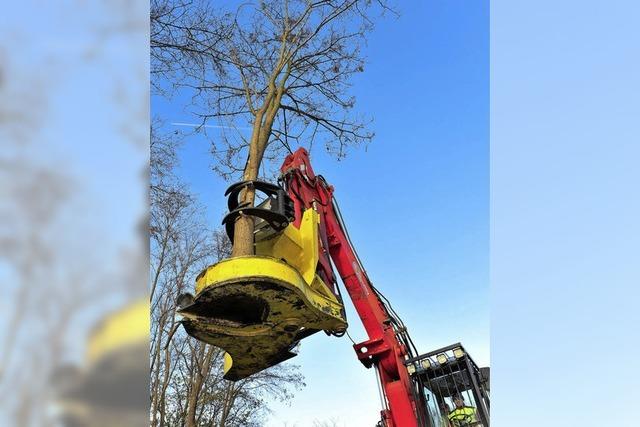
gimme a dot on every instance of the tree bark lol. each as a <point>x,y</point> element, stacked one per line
<point>244,226</point>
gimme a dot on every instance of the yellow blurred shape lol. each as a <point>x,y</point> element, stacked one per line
<point>128,326</point>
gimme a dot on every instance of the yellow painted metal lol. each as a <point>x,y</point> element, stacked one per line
<point>258,307</point>
<point>226,363</point>
<point>248,269</point>
<point>298,246</point>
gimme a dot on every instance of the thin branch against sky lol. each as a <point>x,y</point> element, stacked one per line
<point>200,125</point>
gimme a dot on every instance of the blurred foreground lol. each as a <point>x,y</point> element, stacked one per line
<point>74,156</point>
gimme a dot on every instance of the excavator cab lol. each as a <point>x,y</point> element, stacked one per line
<point>258,308</point>
<point>453,390</point>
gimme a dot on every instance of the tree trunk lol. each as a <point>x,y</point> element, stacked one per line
<point>244,226</point>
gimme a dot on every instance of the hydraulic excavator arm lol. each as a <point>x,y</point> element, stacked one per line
<point>384,349</point>
<point>258,308</point>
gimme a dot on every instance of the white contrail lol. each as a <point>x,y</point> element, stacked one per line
<point>196,125</point>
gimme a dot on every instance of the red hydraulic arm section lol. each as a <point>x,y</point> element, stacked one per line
<point>384,349</point>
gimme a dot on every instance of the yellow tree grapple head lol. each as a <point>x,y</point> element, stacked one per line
<point>257,308</point>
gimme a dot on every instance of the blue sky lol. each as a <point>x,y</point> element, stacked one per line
<point>416,201</point>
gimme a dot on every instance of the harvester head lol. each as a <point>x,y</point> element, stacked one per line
<point>257,308</point>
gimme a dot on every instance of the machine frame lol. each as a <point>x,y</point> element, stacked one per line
<point>448,371</point>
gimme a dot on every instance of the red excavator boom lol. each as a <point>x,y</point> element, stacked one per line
<point>388,345</point>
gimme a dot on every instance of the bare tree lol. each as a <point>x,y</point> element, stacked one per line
<point>182,34</point>
<point>180,248</point>
<point>280,69</point>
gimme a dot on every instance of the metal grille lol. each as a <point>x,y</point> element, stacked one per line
<point>454,390</point>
